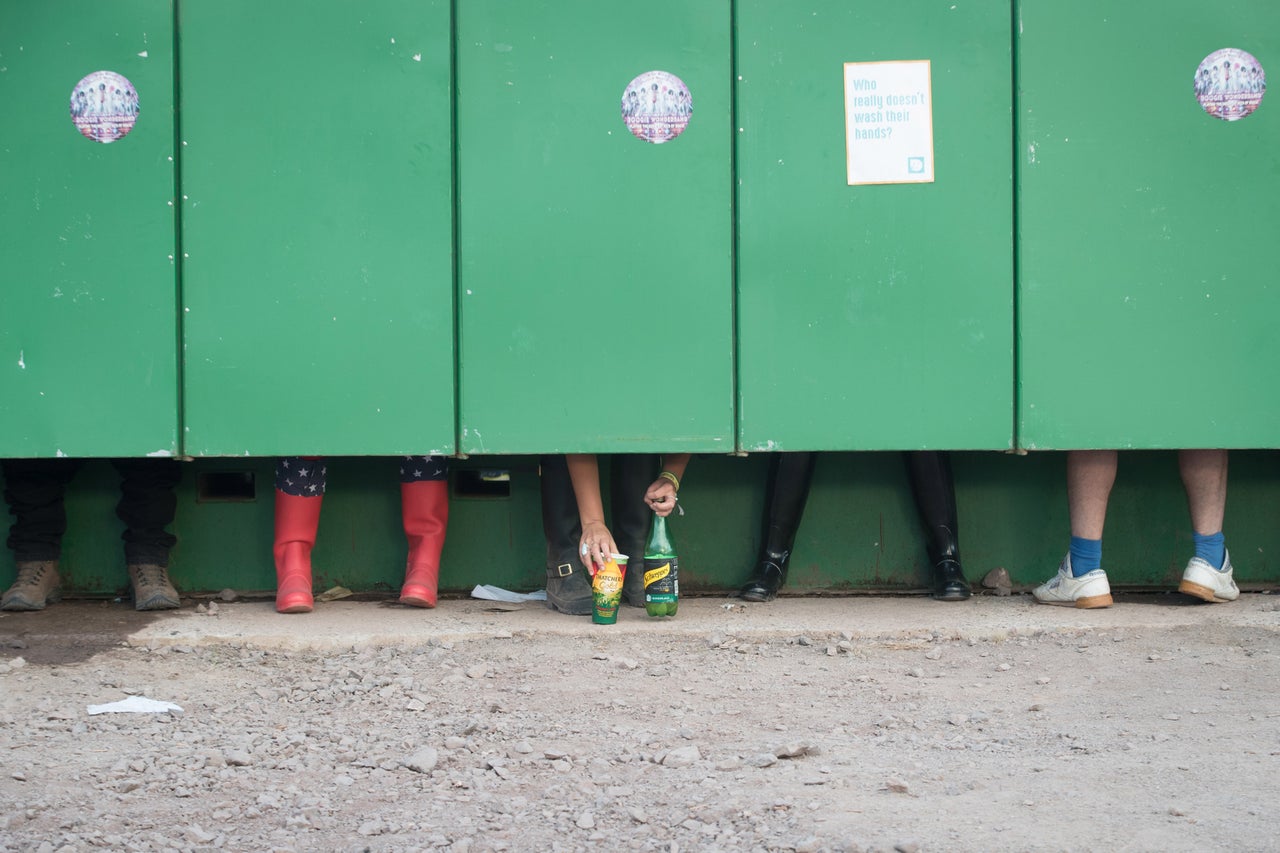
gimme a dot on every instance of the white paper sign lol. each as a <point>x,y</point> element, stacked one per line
<point>888,114</point>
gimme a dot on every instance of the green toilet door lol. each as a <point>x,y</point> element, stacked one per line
<point>875,271</point>
<point>317,227</point>
<point>595,226</point>
<point>88,335</point>
<point>1148,199</point>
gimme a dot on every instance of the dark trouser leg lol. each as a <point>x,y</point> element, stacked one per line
<point>34,490</point>
<point>935,494</point>
<point>790,475</point>
<point>568,586</point>
<point>630,475</point>
<point>147,505</point>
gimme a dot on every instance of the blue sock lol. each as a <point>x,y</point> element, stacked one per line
<point>1211,549</point>
<point>1086,555</point>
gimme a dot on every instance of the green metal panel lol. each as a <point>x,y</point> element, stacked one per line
<point>317,226</point>
<point>873,317</point>
<point>88,310</point>
<point>595,289</point>
<point>1147,292</point>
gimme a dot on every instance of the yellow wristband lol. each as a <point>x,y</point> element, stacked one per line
<point>667,475</point>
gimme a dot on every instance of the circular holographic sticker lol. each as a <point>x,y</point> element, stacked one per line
<point>1230,84</point>
<point>104,106</point>
<point>656,106</point>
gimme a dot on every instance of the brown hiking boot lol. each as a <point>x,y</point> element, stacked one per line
<point>35,586</point>
<point>151,588</point>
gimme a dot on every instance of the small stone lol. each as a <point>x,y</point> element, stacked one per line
<point>198,835</point>
<point>792,750</point>
<point>586,820</point>
<point>237,758</point>
<point>372,827</point>
<point>907,847</point>
<point>228,594</point>
<point>726,765</point>
<point>1036,707</point>
<point>957,719</point>
<point>422,761</point>
<point>809,845</point>
<point>934,653</point>
<point>763,759</point>
<point>18,775</point>
<point>626,663</point>
<point>832,651</point>
<point>213,608</point>
<point>997,579</point>
<point>523,747</point>
<point>1044,679</point>
<point>478,670</point>
<point>1177,812</point>
<point>916,672</point>
<point>1004,667</point>
<point>683,756</point>
<point>17,663</point>
<point>15,643</point>
<point>201,609</point>
<point>637,814</point>
<point>802,640</point>
<point>897,786</point>
<point>554,755</point>
<point>1172,717</point>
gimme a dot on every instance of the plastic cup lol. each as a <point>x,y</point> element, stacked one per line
<point>606,590</point>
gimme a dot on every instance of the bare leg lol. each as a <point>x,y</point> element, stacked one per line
<point>1204,476</point>
<point>1090,476</point>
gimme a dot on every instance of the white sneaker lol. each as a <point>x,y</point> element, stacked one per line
<point>1087,591</point>
<point>1207,583</point>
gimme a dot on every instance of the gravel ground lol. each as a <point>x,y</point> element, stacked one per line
<point>586,738</point>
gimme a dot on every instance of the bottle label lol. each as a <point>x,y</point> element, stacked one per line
<point>661,580</point>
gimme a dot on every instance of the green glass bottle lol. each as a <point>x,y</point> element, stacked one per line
<point>661,571</point>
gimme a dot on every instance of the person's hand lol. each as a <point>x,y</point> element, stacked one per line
<point>661,496</point>
<point>596,545</point>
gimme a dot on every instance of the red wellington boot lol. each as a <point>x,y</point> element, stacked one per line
<point>425,507</point>
<point>297,519</point>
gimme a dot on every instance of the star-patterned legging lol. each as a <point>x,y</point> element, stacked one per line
<point>304,476</point>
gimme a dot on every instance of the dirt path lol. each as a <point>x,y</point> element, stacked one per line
<point>582,738</point>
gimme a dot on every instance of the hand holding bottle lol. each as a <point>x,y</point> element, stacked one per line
<point>661,497</point>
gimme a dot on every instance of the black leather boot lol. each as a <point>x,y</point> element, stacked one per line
<point>568,584</point>
<point>790,475</point>
<point>935,494</point>
<point>630,474</point>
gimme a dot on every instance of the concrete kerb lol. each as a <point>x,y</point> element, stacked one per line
<point>881,619</point>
